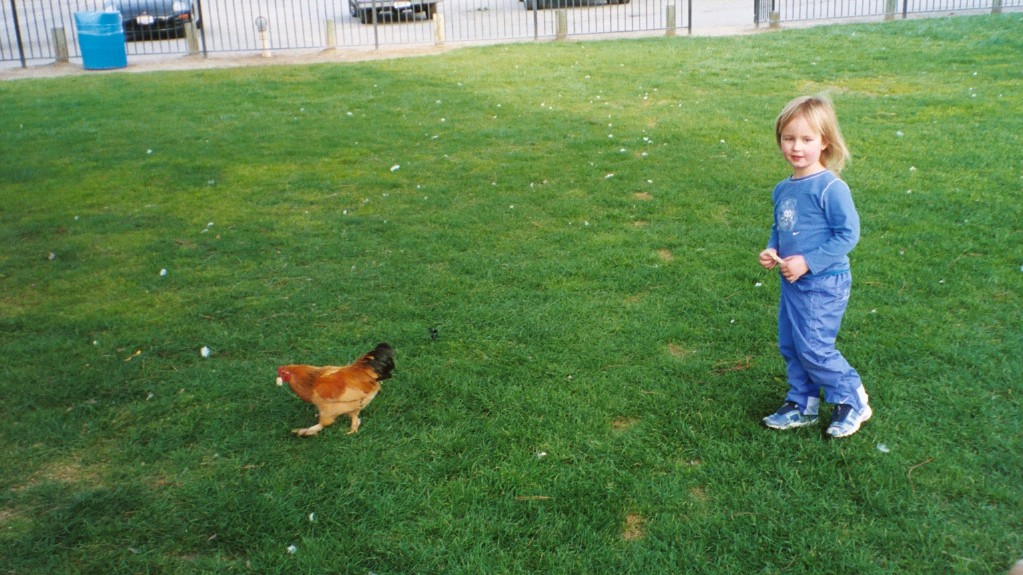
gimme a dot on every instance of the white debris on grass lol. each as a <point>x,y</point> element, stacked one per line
<point>292,549</point>
<point>163,272</point>
<point>395,167</point>
<point>204,351</point>
<point>883,448</point>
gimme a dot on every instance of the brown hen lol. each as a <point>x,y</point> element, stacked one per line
<point>337,391</point>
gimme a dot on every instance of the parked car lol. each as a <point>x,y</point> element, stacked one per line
<point>541,4</point>
<point>390,9</point>
<point>154,19</point>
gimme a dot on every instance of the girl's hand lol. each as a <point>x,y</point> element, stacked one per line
<point>769,258</point>
<point>793,268</point>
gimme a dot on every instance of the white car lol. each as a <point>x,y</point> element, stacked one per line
<point>365,10</point>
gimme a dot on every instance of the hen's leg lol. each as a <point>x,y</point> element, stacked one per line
<point>307,431</point>
<point>355,422</point>
<point>325,420</point>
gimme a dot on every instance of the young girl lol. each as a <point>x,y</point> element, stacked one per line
<point>815,228</point>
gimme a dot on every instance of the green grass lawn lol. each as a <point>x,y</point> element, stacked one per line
<point>579,224</point>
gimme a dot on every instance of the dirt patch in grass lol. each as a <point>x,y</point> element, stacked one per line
<point>678,351</point>
<point>69,472</point>
<point>61,472</point>
<point>7,515</point>
<point>737,365</point>
<point>634,528</point>
<point>622,423</point>
<point>699,494</point>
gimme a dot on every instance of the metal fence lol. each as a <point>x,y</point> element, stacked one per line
<point>779,11</point>
<point>44,31</point>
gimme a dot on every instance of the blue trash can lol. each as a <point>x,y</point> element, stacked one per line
<point>101,38</point>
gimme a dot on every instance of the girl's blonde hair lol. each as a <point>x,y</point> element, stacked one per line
<point>820,114</point>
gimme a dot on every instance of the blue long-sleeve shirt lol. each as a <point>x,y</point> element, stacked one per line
<point>815,217</point>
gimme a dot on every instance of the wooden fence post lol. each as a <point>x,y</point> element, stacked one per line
<point>191,39</point>
<point>330,33</point>
<point>562,26</point>
<point>60,45</point>
<point>438,26</point>
<point>890,7</point>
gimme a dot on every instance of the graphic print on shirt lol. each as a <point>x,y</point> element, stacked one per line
<point>787,215</point>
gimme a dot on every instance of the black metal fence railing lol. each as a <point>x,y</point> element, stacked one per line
<point>779,11</point>
<point>44,31</point>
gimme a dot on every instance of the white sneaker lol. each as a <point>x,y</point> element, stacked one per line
<point>846,421</point>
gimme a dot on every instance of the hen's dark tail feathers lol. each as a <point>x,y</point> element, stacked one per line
<point>381,359</point>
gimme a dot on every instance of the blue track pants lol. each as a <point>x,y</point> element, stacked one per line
<point>809,315</point>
